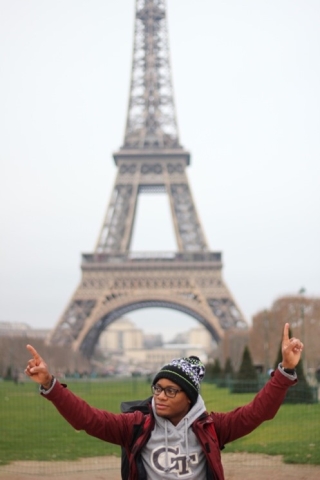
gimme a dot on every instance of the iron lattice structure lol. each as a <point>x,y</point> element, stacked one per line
<point>116,280</point>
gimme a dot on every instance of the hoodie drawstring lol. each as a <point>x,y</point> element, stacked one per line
<point>186,437</point>
<point>167,468</point>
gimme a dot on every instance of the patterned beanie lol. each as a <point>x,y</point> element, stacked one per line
<point>185,372</point>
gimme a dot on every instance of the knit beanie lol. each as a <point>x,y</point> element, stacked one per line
<point>185,372</point>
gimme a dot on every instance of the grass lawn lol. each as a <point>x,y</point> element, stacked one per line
<point>293,433</point>
<point>31,429</point>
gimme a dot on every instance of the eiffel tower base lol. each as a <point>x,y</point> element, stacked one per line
<point>112,285</point>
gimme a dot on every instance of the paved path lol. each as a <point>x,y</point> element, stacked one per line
<point>237,466</point>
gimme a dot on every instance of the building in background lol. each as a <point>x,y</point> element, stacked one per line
<point>17,329</point>
<point>127,349</point>
<point>121,337</point>
<point>201,337</point>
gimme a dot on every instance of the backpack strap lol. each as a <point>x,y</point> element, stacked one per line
<point>133,405</point>
<point>205,418</point>
<point>138,432</point>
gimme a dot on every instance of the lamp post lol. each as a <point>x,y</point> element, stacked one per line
<point>301,292</point>
<point>266,340</point>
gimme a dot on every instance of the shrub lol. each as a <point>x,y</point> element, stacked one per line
<point>246,380</point>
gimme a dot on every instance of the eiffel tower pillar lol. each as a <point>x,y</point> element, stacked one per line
<point>116,280</point>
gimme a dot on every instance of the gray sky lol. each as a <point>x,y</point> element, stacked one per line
<point>246,76</point>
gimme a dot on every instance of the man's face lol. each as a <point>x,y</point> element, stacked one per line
<point>174,409</point>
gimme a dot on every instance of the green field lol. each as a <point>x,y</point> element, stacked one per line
<point>31,429</point>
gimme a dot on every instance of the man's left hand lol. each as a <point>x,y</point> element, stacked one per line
<point>291,349</point>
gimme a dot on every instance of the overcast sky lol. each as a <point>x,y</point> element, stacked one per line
<point>246,77</point>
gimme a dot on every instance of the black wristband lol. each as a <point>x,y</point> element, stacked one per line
<point>51,383</point>
<point>290,371</point>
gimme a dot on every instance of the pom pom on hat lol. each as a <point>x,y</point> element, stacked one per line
<point>186,372</point>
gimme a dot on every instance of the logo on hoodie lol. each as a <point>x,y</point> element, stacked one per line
<point>171,460</point>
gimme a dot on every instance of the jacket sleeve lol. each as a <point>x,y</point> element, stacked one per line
<point>107,426</point>
<point>243,420</point>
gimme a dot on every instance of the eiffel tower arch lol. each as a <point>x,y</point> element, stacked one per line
<point>116,280</point>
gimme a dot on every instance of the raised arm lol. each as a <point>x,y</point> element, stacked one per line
<point>37,369</point>
<point>266,403</point>
<point>110,427</point>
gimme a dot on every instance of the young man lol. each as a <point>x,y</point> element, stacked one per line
<point>178,438</point>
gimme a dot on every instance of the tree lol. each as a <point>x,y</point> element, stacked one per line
<point>228,369</point>
<point>227,374</point>
<point>246,380</point>
<point>213,371</point>
<point>13,357</point>
<point>303,314</point>
<point>8,375</point>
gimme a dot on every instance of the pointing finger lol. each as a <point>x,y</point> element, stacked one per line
<point>34,353</point>
<point>285,337</point>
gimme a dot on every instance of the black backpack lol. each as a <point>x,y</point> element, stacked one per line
<point>130,407</point>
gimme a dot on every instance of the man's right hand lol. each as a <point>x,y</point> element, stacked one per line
<point>37,369</point>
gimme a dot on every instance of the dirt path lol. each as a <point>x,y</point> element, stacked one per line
<point>237,466</point>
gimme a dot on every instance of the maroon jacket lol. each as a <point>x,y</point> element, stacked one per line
<point>213,430</point>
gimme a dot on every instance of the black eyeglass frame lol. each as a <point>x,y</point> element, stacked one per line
<point>173,391</point>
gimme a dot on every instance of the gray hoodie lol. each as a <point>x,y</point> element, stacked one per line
<point>173,451</point>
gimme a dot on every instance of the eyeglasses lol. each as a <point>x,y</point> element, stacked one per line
<point>169,392</point>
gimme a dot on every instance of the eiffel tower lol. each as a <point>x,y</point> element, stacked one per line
<point>116,280</point>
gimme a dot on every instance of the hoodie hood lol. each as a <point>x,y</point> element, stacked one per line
<point>173,450</point>
<point>194,412</point>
